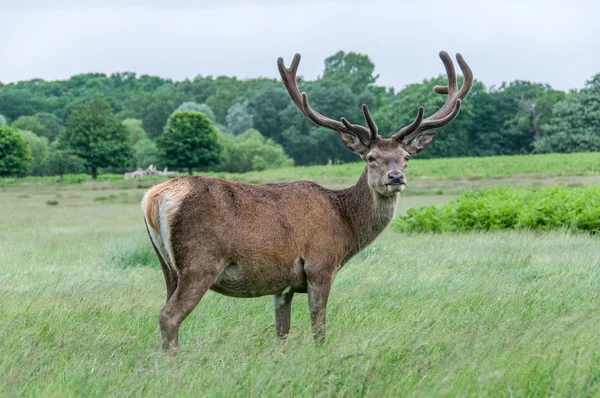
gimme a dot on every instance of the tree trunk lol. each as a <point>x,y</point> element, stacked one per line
<point>190,172</point>
<point>94,173</point>
<point>61,179</point>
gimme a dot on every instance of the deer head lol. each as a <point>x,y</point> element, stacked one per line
<point>386,159</point>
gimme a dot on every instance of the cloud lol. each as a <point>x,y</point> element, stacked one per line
<point>545,41</point>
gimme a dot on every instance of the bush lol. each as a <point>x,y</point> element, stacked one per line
<point>15,154</point>
<point>509,208</point>
<point>250,151</point>
<point>39,147</point>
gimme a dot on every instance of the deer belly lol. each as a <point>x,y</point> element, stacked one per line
<point>249,279</point>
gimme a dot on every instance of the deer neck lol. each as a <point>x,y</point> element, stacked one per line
<point>367,212</point>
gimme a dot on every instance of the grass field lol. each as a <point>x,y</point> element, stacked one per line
<point>469,169</point>
<point>481,314</point>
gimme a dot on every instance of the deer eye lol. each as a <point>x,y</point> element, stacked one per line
<point>406,158</point>
<point>371,159</point>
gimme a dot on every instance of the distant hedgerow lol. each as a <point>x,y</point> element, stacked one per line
<point>544,208</point>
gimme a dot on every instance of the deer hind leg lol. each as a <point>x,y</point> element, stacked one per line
<point>283,312</point>
<point>194,280</point>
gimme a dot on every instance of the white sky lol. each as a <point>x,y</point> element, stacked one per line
<point>548,41</point>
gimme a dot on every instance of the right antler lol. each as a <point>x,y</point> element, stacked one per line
<point>290,81</point>
<point>450,109</point>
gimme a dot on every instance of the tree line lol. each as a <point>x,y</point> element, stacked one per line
<point>124,121</point>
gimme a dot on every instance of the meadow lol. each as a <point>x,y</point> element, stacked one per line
<point>502,313</point>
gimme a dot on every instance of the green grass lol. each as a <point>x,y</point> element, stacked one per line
<point>572,164</point>
<point>479,314</point>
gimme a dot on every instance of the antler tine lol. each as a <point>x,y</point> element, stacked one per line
<point>404,131</point>
<point>372,127</point>
<point>450,108</point>
<point>290,81</point>
<point>467,77</point>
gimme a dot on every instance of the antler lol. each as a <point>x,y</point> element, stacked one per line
<point>446,113</point>
<point>290,81</point>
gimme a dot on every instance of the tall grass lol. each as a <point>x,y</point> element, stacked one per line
<point>510,313</point>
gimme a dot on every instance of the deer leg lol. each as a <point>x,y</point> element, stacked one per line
<point>318,294</point>
<point>194,282</point>
<point>283,312</point>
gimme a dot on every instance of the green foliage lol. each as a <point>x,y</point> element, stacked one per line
<point>251,151</point>
<point>509,208</point>
<point>575,125</point>
<point>15,154</point>
<point>95,135</point>
<point>62,161</point>
<point>226,91</point>
<point>144,150</point>
<point>239,118</point>
<point>190,140</point>
<point>135,130</point>
<point>353,69</point>
<point>194,106</point>
<point>155,107</point>
<point>42,124</point>
<point>39,147</point>
<point>514,118</point>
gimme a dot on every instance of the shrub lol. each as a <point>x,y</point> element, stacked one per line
<point>576,208</point>
<point>251,151</point>
<point>15,154</point>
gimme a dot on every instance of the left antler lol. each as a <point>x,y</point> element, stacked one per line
<point>450,109</point>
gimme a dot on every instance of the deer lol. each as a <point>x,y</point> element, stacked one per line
<point>248,240</point>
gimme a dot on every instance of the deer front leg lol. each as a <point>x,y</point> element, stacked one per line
<point>318,294</point>
<point>283,312</point>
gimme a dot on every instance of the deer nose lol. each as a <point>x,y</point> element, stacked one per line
<point>395,175</point>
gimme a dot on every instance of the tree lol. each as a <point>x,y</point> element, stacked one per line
<point>194,106</point>
<point>144,150</point>
<point>251,151</point>
<point>190,140</point>
<point>30,123</point>
<point>3,121</point>
<point>353,69</point>
<point>226,92</point>
<point>265,105</point>
<point>39,152</point>
<point>239,118</point>
<point>63,162</point>
<point>94,134</point>
<point>154,108</point>
<point>575,124</point>
<point>52,124</point>
<point>15,154</point>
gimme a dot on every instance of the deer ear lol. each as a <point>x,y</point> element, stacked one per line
<point>420,143</point>
<point>353,143</point>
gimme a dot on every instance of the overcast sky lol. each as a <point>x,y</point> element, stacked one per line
<point>555,42</point>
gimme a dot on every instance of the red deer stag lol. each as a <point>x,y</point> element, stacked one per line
<point>246,240</point>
